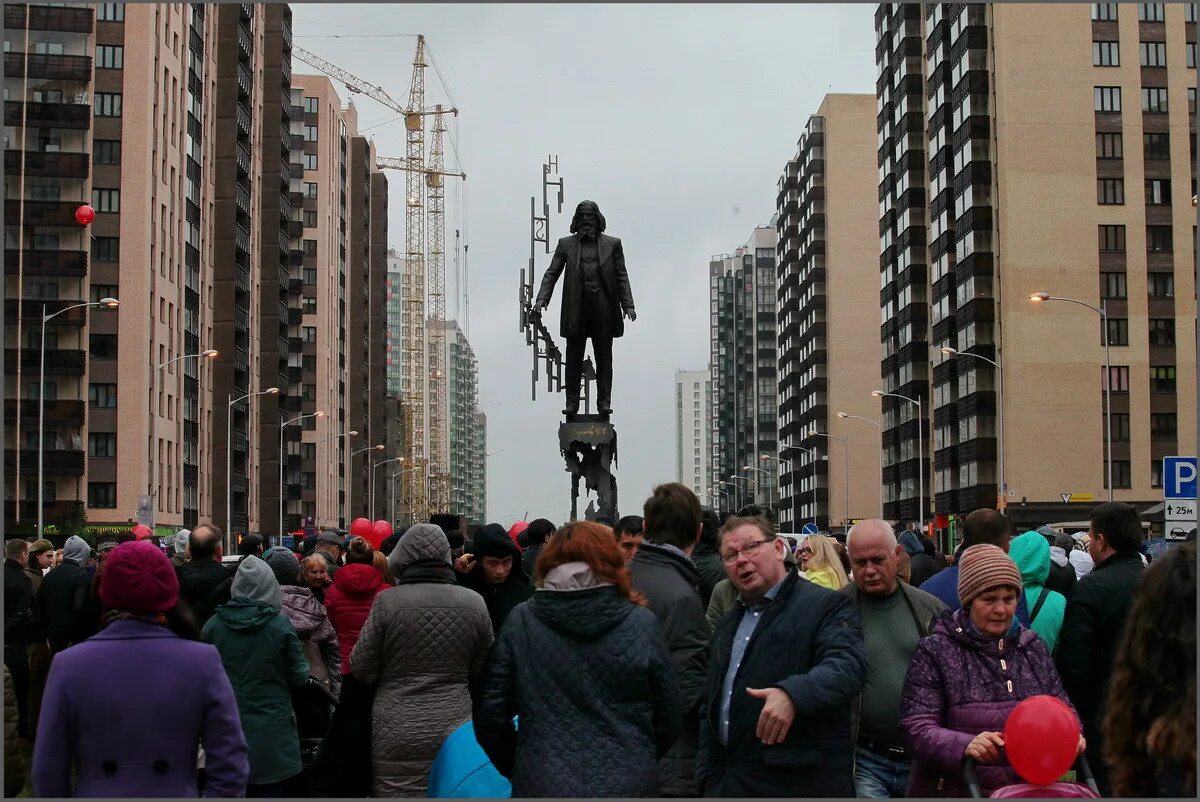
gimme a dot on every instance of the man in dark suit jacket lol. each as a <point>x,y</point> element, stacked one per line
<point>595,295</point>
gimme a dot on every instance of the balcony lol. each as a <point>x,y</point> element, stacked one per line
<point>47,18</point>
<point>242,198</point>
<point>64,412</point>
<point>41,213</point>
<point>38,163</point>
<point>243,158</point>
<point>59,361</point>
<point>57,462</point>
<point>297,141</point>
<point>53,512</point>
<point>52,67</point>
<point>244,83</point>
<point>243,43</point>
<point>241,278</point>
<point>243,120</point>
<point>48,115</point>
<point>64,264</point>
<point>32,309</point>
<point>241,359</point>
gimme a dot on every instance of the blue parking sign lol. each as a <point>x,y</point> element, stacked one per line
<point>1179,477</point>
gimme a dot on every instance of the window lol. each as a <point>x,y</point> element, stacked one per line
<point>1158,192</point>
<point>102,445</point>
<point>1156,147</point>
<point>1108,146</point>
<point>106,200</point>
<point>1162,379</point>
<point>1154,54</point>
<point>310,133</point>
<point>310,161</point>
<point>1112,238</point>
<point>309,392</point>
<point>310,247</point>
<point>102,396</point>
<point>1118,331</point>
<point>1158,238</point>
<point>1190,50</point>
<point>1106,54</point>
<point>102,346</point>
<point>1189,12</point>
<point>1150,12</point>
<point>108,104</point>
<point>1163,425</point>
<point>102,495</point>
<point>106,249</point>
<point>1120,426</point>
<point>113,12</point>
<point>310,105</point>
<point>1110,191</point>
<point>310,189</point>
<point>1118,378</point>
<point>106,151</point>
<point>1162,331</point>
<point>308,306</point>
<point>1112,285</point>
<point>1191,99</point>
<point>1120,473</point>
<point>110,57</point>
<point>310,276</point>
<point>310,218</point>
<point>1104,12</point>
<point>1156,473</point>
<point>1154,99</point>
<point>1108,98</point>
<point>310,333</point>
<point>1160,285</point>
<point>102,291</point>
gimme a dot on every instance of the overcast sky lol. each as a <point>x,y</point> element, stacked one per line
<point>676,119</point>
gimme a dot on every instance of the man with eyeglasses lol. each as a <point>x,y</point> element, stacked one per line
<point>786,666</point>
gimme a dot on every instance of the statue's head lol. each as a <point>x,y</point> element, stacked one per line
<point>588,222</point>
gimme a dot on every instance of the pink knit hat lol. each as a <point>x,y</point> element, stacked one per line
<point>984,567</point>
<point>139,578</point>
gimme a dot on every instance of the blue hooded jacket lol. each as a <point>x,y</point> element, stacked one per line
<point>462,770</point>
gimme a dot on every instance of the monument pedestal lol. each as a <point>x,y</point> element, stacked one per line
<point>588,443</point>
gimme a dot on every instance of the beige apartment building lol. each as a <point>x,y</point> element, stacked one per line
<point>827,307</point>
<point>1025,149</point>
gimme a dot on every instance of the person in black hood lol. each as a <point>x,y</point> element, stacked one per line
<point>203,582</point>
<point>1062,576</point>
<point>536,535</point>
<point>924,565</point>
<point>493,570</point>
<point>708,562</point>
<point>61,603</point>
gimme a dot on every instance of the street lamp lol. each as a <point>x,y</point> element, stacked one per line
<point>152,489</point>
<point>920,452</point>
<point>812,460</point>
<point>396,475</point>
<point>320,413</point>
<point>954,352</point>
<point>845,473</point>
<point>760,470</point>
<point>339,436</point>
<point>374,468</point>
<point>878,426</point>
<point>1102,311</point>
<point>103,303</point>
<point>228,461</point>
<point>353,454</point>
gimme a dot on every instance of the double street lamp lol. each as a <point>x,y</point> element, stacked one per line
<point>916,402</point>
<point>103,303</point>
<point>769,500</point>
<point>1102,311</point>
<point>153,485</point>
<point>878,426</point>
<point>320,413</point>
<point>953,352</point>
<point>228,451</point>
<point>339,436</point>
<point>375,467</point>
<point>353,454</point>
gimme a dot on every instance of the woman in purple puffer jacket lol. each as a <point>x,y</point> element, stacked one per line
<point>966,677</point>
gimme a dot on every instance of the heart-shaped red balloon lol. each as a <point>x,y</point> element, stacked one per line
<point>361,528</point>
<point>380,531</point>
<point>1041,739</point>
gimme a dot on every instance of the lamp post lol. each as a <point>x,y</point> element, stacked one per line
<point>374,468</point>
<point>103,303</point>
<point>878,426</point>
<point>228,461</point>
<point>734,492</point>
<point>1102,311</point>
<point>339,436</point>
<point>920,452</point>
<point>812,456</point>
<point>350,495</point>
<point>845,473</point>
<point>320,413</point>
<point>741,492</point>
<point>395,476</point>
<point>152,489</point>
<point>954,352</point>
<point>759,470</point>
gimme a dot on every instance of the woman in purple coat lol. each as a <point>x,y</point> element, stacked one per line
<point>967,675</point>
<point>126,711</point>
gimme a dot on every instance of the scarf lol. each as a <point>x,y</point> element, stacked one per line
<point>159,619</point>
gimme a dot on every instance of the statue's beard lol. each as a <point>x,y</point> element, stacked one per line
<point>587,231</point>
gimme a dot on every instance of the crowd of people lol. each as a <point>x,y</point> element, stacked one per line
<point>669,654</point>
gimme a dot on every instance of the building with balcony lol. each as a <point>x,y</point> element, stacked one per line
<point>693,389</point>
<point>744,369</point>
<point>824,204</point>
<point>462,413</point>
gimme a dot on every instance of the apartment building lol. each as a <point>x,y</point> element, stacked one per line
<point>828,466</point>
<point>692,416</point>
<point>1027,149</point>
<point>477,472</point>
<point>462,413</point>
<point>743,366</point>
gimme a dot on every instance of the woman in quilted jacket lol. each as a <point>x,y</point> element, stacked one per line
<point>967,675</point>
<point>349,599</point>
<point>584,667</point>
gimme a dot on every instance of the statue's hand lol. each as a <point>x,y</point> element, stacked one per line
<point>631,314</point>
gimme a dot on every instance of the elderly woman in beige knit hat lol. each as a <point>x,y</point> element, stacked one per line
<point>975,666</point>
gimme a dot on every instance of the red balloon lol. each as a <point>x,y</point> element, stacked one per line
<point>141,532</point>
<point>1041,738</point>
<point>380,531</point>
<point>84,215</point>
<point>361,527</point>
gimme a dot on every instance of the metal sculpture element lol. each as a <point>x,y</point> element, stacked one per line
<point>590,450</point>
<point>536,334</point>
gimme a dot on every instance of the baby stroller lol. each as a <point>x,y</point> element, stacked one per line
<point>314,704</point>
<point>1059,790</point>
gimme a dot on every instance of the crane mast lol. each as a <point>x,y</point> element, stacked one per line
<point>439,439</point>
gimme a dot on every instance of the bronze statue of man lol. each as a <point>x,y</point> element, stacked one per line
<point>596,294</point>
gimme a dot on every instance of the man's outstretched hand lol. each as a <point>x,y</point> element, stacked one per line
<point>631,314</point>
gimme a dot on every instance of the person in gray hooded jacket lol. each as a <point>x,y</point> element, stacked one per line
<point>423,642</point>
<point>62,600</point>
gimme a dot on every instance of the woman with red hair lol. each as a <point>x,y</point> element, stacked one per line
<point>585,669</point>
